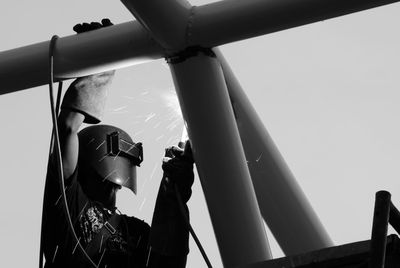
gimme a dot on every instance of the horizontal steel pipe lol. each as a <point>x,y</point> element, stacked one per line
<point>129,43</point>
<point>229,21</point>
<point>166,20</point>
<point>283,204</point>
<point>77,55</point>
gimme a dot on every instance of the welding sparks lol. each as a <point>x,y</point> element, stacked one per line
<point>141,206</point>
<point>55,253</point>
<point>109,175</point>
<point>151,176</point>
<point>59,198</point>
<point>77,243</point>
<point>258,159</point>
<point>80,213</point>
<point>120,108</point>
<point>101,243</point>
<point>140,238</point>
<point>92,140</point>
<point>101,258</point>
<point>98,147</point>
<point>150,116</point>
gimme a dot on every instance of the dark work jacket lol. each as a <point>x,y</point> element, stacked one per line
<point>130,246</point>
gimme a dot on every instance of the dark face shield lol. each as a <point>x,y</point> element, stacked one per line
<point>111,153</point>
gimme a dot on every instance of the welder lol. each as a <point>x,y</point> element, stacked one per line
<point>97,161</point>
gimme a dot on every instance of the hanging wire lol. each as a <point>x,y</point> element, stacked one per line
<point>60,85</point>
<point>57,148</point>
<point>196,239</point>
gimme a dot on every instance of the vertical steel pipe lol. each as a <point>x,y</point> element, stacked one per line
<point>379,229</point>
<point>220,161</point>
<point>283,204</point>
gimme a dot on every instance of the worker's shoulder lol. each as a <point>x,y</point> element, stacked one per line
<point>136,223</point>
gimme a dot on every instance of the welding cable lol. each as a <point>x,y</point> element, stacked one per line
<point>187,223</point>
<point>60,84</point>
<point>57,152</point>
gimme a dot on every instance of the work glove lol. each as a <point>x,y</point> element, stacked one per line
<point>87,95</point>
<point>178,169</point>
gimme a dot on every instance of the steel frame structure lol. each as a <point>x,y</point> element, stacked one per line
<point>229,125</point>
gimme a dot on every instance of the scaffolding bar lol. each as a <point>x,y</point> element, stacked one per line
<point>283,204</point>
<point>379,229</point>
<point>129,43</point>
<point>394,218</point>
<point>228,21</point>
<point>220,161</point>
<point>78,55</point>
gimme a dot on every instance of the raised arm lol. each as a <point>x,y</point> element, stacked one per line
<point>69,123</point>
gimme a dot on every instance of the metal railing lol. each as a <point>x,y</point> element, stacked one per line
<point>384,213</point>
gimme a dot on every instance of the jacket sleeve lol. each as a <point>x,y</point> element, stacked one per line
<point>169,235</point>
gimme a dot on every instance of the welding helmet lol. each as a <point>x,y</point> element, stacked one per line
<point>111,153</point>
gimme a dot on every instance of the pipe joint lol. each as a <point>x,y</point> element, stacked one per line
<point>189,53</point>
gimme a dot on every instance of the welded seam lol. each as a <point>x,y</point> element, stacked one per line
<point>189,26</point>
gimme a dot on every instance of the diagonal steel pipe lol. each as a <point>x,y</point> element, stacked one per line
<point>284,206</point>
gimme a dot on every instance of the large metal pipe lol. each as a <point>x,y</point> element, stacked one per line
<point>228,21</point>
<point>166,20</point>
<point>77,55</point>
<point>129,43</point>
<point>283,204</point>
<point>220,161</point>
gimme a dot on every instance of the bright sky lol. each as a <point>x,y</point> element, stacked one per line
<point>327,93</point>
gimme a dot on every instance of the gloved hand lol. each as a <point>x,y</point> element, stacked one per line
<point>178,169</point>
<point>87,95</point>
<point>85,27</point>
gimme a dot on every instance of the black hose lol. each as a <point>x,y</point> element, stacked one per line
<point>57,147</point>
<point>196,239</point>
